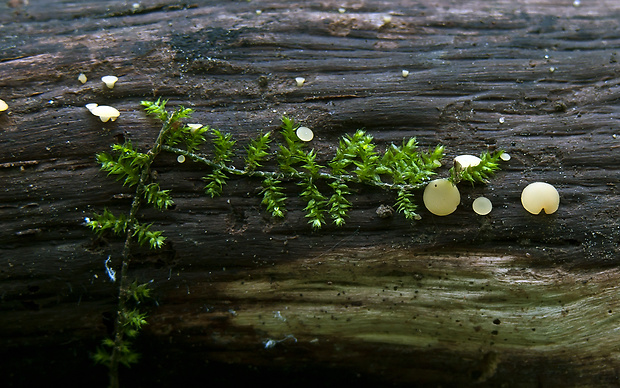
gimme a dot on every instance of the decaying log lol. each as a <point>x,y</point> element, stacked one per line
<point>507,299</point>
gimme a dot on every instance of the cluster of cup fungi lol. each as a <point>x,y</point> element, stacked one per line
<point>442,197</point>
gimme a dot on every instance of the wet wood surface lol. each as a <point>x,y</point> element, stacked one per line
<point>506,299</point>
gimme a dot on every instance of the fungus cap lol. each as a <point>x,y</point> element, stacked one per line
<point>91,106</point>
<point>482,206</point>
<point>105,113</point>
<point>3,106</point>
<point>82,78</point>
<point>540,196</point>
<point>305,134</point>
<point>194,127</point>
<point>441,197</point>
<point>464,161</point>
<point>300,81</point>
<point>109,80</point>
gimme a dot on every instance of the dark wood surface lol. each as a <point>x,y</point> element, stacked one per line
<point>508,299</point>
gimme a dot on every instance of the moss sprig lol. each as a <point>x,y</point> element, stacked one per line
<point>274,197</point>
<point>406,205</point>
<point>338,203</point>
<point>257,151</point>
<point>316,202</point>
<point>124,162</point>
<point>130,320</point>
<point>133,168</point>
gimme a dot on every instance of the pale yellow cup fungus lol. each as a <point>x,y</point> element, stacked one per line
<point>194,127</point>
<point>405,73</point>
<point>441,197</point>
<point>82,78</point>
<point>181,159</point>
<point>300,81</point>
<point>3,106</point>
<point>540,196</point>
<point>104,112</point>
<point>109,80</point>
<point>482,206</point>
<point>304,134</point>
<point>461,162</point>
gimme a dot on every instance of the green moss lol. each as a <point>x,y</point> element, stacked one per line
<point>275,160</point>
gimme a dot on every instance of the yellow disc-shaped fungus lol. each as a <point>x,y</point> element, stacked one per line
<point>300,81</point>
<point>3,106</point>
<point>194,127</point>
<point>441,197</point>
<point>482,206</point>
<point>91,106</point>
<point>105,112</point>
<point>109,80</point>
<point>82,78</point>
<point>540,196</point>
<point>463,161</point>
<point>305,134</point>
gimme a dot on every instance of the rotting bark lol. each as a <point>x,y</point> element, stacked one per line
<point>509,298</point>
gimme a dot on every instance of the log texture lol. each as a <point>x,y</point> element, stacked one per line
<point>508,299</point>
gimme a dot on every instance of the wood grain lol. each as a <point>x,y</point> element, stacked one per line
<point>506,299</point>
